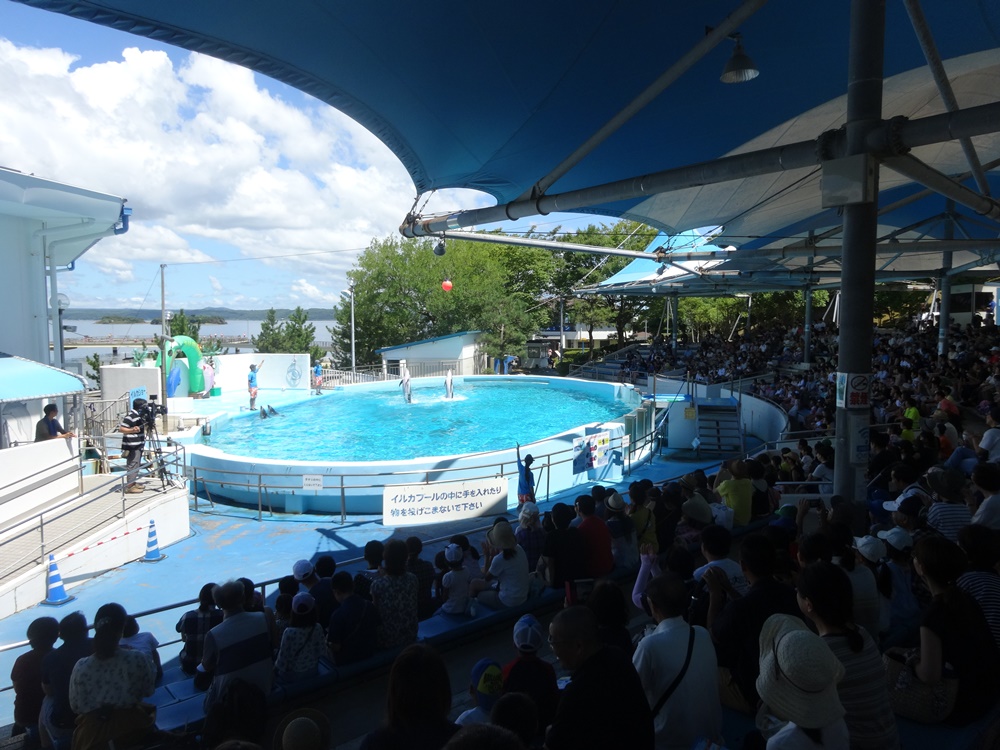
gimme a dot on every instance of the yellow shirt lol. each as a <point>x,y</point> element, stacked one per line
<point>738,495</point>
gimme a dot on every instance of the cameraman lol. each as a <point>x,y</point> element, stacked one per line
<point>134,440</point>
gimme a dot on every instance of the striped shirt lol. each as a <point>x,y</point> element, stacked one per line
<point>984,587</point>
<point>949,518</point>
<point>864,695</point>
<point>131,441</point>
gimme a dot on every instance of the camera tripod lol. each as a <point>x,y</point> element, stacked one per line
<point>158,467</point>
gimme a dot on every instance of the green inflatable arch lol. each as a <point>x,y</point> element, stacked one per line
<point>196,377</point>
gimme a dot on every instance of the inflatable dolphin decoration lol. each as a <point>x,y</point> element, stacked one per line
<point>449,390</point>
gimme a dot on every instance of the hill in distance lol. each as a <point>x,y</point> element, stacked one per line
<point>82,313</point>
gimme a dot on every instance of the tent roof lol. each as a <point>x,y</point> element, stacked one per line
<point>24,380</point>
<point>468,97</point>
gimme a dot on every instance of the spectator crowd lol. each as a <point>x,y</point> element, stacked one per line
<point>823,622</point>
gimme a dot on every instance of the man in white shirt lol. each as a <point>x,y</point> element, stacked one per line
<point>693,709</point>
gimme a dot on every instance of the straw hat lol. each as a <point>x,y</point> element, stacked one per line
<point>948,483</point>
<point>615,501</point>
<point>502,536</point>
<point>697,509</point>
<point>798,673</point>
<point>304,729</point>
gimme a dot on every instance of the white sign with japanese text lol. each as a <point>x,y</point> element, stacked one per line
<point>312,481</point>
<point>419,504</point>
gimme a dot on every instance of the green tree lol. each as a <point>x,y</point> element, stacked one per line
<point>94,363</point>
<point>298,334</point>
<point>398,295</point>
<point>182,325</point>
<point>271,338</point>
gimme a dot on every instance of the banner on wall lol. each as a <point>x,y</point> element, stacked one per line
<point>591,452</point>
<point>419,504</point>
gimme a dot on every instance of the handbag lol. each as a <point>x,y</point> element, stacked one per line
<point>121,726</point>
<point>680,675</point>
<point>916,700</point>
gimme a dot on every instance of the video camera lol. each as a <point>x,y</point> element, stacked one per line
<point>151,411</point>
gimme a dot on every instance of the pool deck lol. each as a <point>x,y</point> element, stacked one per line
<point>229,542</point>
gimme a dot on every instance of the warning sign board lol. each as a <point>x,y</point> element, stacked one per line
<point>853,390</point>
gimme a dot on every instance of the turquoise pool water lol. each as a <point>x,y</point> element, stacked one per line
<point>359,425</point>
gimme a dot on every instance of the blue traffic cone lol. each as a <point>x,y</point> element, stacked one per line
<point>56,591</point>
<point>152,546</point>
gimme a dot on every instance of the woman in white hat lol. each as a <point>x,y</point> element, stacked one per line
<point>825,596</point>
<point>798,683</point>
<point>506,569</point>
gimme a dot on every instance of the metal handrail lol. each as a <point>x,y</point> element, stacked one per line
<point>494,470</point>
<point>36,523</point>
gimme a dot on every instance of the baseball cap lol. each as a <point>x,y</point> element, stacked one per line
<point>453,553</point>
<point>487,681</point>
<point>897,537</point>
<point>909,506</point>
<point>528,634</point>
<point>871,548</point>
<point>302,570</point>
<point>303,603</point>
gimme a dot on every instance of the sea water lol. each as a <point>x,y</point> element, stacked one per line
<point>353,425</point>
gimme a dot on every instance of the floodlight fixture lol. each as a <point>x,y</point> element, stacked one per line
<point>740,68</point>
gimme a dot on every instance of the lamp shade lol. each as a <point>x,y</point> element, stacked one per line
<point>740,68</point>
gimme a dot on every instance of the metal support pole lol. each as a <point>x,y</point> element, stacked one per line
<point>562,326</point>
<point>354,361</point>
<point>260,501</point>
<point>673,324</point>
<point>163,341</point>
<point>864,111</point>
<point>946,263</point>
<point>343,502</point>
<point>807,328</point>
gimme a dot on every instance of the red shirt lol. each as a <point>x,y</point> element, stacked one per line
<point>597,540</point>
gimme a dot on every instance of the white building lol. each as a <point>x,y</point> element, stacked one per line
<point>458,352</point>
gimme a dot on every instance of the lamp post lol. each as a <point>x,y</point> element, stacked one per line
<point>62,304</point>
<point>350,293</point>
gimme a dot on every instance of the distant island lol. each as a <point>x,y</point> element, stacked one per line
<point>115,320</point>
<point>211,320</point>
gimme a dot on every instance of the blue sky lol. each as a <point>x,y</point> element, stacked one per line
<point>253,194</point>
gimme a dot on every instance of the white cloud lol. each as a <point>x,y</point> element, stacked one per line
<point>309,295</point>
<point>208,156</point>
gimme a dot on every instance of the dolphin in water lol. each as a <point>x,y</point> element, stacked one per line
<point>449,390</point>
<point>263,414</point>
<point>271,411</point>
<point>405,385</point>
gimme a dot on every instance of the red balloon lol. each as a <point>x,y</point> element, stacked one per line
<point>446,285</point>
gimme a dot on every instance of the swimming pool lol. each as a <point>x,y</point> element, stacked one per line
<point>339,451</point>
<point>375,425</point>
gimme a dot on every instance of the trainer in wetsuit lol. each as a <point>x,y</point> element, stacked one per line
<point>252,383</point>
<point>526,479</point>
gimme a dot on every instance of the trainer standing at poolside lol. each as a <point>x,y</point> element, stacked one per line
<point>526,479</point>
<point>133,441</point>
<point>252,384</point>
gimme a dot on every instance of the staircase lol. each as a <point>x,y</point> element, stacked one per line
<point>720,431</point>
